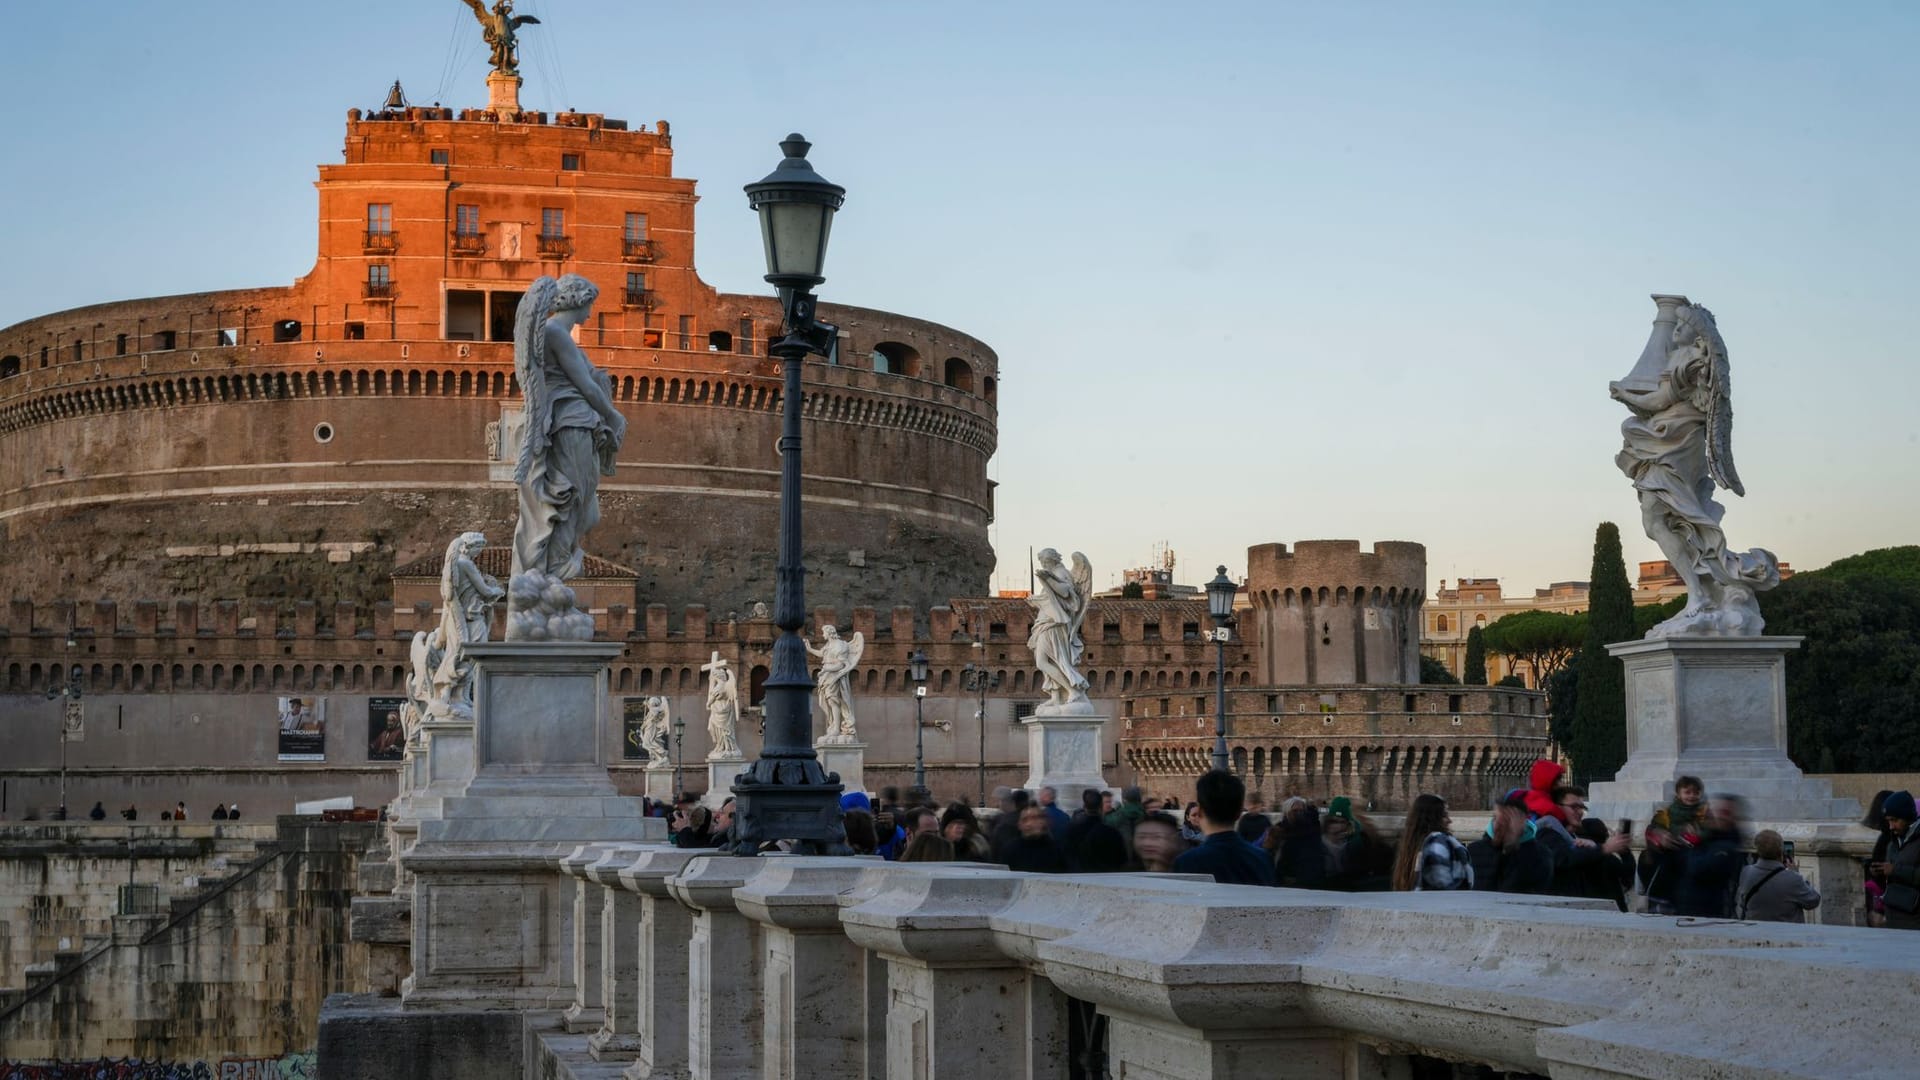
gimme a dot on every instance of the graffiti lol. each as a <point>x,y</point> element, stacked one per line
<point>296,1066</point>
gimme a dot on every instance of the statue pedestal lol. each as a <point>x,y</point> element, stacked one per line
<point>491,926</point>
<point>848,759</point>
<point>720,774</point>
<point>503,92</point>
<point>1063,752</point>
<point>1715,708</point>
<point>660,781</point>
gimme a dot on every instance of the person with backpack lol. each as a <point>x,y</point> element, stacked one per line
<point>1770,889</point>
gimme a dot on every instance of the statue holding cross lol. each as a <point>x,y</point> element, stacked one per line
<point>723,708</point>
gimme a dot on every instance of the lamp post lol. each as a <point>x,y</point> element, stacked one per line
<point>1220,593</point>
<point>785,794</point>
<point>70,714</point>
<point>679,745</point>
<point>977,679</point>
<point>917,673</point>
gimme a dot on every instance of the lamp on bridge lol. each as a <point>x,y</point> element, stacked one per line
<point>785,794</point>
<point>919,795</point>
<point>1220,593</point>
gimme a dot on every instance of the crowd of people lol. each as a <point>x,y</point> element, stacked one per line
<point>221,812</point>
<point>1696,860</point>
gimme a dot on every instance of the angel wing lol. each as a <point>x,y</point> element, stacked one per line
<point>856,646</point>
<point>1082,587</point>
<point>518,20</point>
<point>1719,407</point>
<point>479,9</point>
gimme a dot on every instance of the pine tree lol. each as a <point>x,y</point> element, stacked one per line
<point>1475,670</point>
<point>1598,741</point>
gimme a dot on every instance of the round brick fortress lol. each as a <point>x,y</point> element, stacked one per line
<point>305,440</point>
<point>1331,614</point>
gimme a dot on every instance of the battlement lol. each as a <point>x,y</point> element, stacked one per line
<point>1322,565</point>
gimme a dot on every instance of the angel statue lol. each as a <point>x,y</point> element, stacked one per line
<point>838,658</point>
<point>1059,604</point>
<point>1678,446</point>
<point>572,433</point>
<point>723,709</point>
<point>500,29</point>
<point>653,731</point>
<point>467,596</point>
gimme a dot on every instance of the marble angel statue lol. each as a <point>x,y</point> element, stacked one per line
<point>1678,446</point>
<point>723,709</point>
<point>467,596</point>
<point>1059,604</point>
<point>573,430</point>
<point>834,685</point>
<point>654,724</point>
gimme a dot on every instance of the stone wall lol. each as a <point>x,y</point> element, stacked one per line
<point>233,969</point>
<point>1330,614</point>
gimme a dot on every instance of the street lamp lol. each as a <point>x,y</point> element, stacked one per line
<point>72,717</point>
<point>1220,593</point>
<point>975,678</point>
<point>785,794</point>
<point>679,744</point>
<point>917,672</point>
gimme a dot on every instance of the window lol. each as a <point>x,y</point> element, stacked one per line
<point>1110,631</point>
<point>570,162</point>
<point>440,157</point>
<point>379,217</point>
<point>1190,631</point>
<point>553,222</point>
<point>744,343</point>
<point>1150,632</point>
<point>119,344</point>
<point>636,226</point>
<point>162,340</point>
<point>882,363</point>
<point>686,331</point>
<point>356,331</point>
<point>79,350</point>
<point>636,289</point>
<point>719,341</point>
<point>466,219</point>
<point>1440,624</point>
<point>379,281</point>
<point>1453,702</point>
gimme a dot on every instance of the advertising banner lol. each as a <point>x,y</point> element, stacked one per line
<point>386,735</point>
<point>303,729</point>
<point>633,720</point>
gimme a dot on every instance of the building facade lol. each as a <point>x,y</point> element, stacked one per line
<point>1453,613</point>
<point>307,439</point>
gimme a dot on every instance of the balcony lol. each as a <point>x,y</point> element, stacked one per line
<point>377,241</point>
<point>556,247</point>
<point>640,299</point>
<point>381,292</point>
<point>636,251</point>
<point>469,243</point>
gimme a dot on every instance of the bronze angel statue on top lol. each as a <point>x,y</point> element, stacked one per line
<point>1678,448</point>
<point>1059,603</point>
<point>501,30</point>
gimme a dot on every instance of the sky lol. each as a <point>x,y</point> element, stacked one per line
<point>1255,272</point>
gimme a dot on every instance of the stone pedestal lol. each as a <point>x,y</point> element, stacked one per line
<point>659,776</point>
<point>847,759</point>
<point>492,927</point>
<point>620,973</point>
<point>1715,708</point>
<point>587,1011</point>
<point>1063,752</point>
<point>812,1021</point>
<point>720,774</point>
<point>503,92</point>
<point>659,1006</point>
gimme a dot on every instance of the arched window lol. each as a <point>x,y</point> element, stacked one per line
<point>1440,624</point>
<point>757,684</point>
<point>893,358</point>
<point>959,374</point>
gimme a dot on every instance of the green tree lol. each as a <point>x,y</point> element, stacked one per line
<point>1132,590</point>
<point>1476,664</point>
<point>1563,697</point>
<point>1515,682</point>
<point>1435,673</point>
<point>1853,688</point>
<point>1544,639</point>
<point>1597,738</point>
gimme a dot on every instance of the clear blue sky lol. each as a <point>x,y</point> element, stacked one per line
<point>1255,272</point>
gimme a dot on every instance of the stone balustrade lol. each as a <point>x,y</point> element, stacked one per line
<point>794,967</point>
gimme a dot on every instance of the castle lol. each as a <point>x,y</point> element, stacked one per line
<point>305,440</point>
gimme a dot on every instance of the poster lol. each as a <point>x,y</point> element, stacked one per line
<point>303,729</point>
<point>633,720</point>
<point>386,736</point>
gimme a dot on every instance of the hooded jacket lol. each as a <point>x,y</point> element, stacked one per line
<point>1539,793</point>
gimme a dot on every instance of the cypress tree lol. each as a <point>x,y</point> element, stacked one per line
<point>1474,671</point>
<point>1598,741</point>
